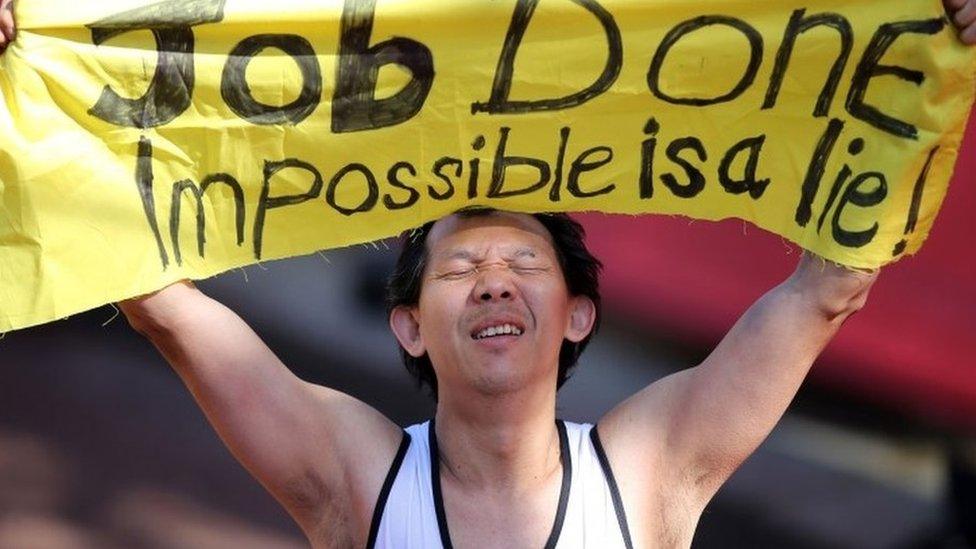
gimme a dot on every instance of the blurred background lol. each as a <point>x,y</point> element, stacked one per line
<point>101,446</point>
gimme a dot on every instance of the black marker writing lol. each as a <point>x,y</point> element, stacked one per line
<point>799,24</point>
<point>197,193</point>
<point>748,183</point>
<point>676,34</point>
<point>237,93</point>
<point>916,202</point>
<point>144,183</point>
<point>815,171</point>
<point>855,195</point>
<point>869,68</point>
<point>171,87</point>
<point>499,101</point>
<point>354,103</point>
<point>268,202</point>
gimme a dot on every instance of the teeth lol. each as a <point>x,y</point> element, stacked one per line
<point>504,329</point>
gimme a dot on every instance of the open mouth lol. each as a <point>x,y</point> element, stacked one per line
<point>505,329</point>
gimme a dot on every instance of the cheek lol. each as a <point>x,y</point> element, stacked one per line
<point>437,312</point>
<point>551,310</point>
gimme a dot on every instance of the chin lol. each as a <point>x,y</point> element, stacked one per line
<point>497,380</point>
<point>488,386</point>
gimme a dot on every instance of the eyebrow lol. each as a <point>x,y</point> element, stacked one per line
<point>455,254</point>
<point>469,255</point>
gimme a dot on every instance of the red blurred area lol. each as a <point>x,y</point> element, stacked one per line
<point>911,349</point>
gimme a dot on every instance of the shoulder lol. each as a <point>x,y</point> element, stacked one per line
<point>633,438</point>
<point>635,432</point>
<point>356,446</point>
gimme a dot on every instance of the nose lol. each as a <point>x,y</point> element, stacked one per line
<point>494,284</point>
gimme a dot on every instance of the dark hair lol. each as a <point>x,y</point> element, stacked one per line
<point>581,271</point>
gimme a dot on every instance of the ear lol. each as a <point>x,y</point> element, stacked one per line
<point>581,319</point>
<point>406,328</point>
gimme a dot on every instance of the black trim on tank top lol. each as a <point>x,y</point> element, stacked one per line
<point>374,526</point>
<point>564,458</point>
<point>435,482</point>
<point>557,525</point>
<point>618,504</point>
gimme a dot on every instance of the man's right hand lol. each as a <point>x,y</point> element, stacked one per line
<point>7,27</point>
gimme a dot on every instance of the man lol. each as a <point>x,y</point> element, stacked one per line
<point>501,456</point>
<point>491,308</point>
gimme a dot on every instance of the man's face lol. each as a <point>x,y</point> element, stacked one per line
<point>494,307</point>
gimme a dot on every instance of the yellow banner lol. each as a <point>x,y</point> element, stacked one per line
<point>141,143</point>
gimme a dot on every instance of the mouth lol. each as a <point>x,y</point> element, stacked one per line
<point>497,330</point>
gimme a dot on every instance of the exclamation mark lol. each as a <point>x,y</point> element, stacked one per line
<point>916,203</point>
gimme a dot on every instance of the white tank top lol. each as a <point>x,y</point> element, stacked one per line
<point>409,512</point>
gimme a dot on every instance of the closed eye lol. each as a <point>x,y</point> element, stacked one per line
<point>521,269</point>
<point>455,274</point>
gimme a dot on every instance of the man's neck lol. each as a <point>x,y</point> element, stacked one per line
<point>503,443</point>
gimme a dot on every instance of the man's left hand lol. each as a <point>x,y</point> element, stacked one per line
<point>963,14</point>
<point>834,290</point>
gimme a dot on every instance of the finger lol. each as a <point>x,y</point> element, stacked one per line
<point>953,5</point>
<point>965,16</point>
<point>7,17</point>
<point>968,35</point>
<point>7,24</point>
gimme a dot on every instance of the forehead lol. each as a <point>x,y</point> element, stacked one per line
<point>502,229</point>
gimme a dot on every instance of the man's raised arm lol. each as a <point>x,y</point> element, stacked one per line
<point>303,442</point>
<point>687,433</point>
<point>694,428</point>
